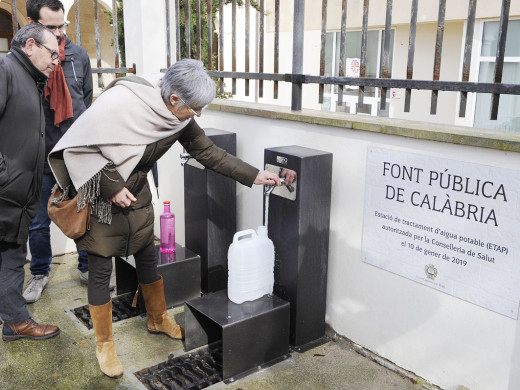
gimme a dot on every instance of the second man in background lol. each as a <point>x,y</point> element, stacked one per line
<point>67,95</point>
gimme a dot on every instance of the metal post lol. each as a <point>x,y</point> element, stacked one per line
<point>221,43</point>
<point>98,42</point>
<point>210,34</point>
<point>187,28</point>
<point>14,16</point>
<point>470,28</point>
<point>115,31</point>
<point>260,89</point>
<point>386,51</point>
<point>78,22</point>
<point>322,46</point>
<point>342,50</point>
<point>178,28</point>
<point>411,54</point>
<point>198,29</point>
<point>297,63</point>
<point>168,43</point>
<point>501,49</point>
<point>363,60</point>
<point>438,54</point>
<point>248,15</point>
<point>234,47</point>
<point>276,43</point>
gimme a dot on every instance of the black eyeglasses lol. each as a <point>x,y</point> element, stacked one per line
<point>54,54</point>
<point>52,28</point>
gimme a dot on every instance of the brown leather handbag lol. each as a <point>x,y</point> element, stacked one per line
<point>64,213</point>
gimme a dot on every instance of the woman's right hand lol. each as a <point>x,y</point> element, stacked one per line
<point>267,178</point>
<point>123,198</point>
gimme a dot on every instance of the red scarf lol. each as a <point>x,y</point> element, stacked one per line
<point>57,92</point>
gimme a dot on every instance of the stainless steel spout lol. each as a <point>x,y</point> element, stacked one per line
<point>184,158</point>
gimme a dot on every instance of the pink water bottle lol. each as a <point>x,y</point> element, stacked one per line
<point>167,230</point>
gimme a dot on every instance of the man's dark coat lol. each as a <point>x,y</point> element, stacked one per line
<point>22,144</point>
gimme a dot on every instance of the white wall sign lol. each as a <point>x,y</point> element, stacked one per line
<point>352,67</point>
<point>447,224</point>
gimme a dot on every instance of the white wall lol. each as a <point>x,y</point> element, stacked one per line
<point>439,337</point>
<point>311,61</point>
<point>451,68</point>
<point>427,12</point>
<point>145,34</point>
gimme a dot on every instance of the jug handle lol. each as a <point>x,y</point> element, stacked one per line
<point>247,232</point>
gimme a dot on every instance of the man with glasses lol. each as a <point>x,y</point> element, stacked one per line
<point>54,54</point>
<point>23,74</point>
<point>67,95</point>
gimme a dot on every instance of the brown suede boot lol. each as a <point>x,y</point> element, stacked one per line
<point>158,319</point>
<point>105,349</point>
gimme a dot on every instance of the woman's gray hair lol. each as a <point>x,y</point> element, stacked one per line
<point>189,80</point>
<point>35,31</point>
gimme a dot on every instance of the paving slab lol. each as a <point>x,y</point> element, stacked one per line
<point>68,361</point>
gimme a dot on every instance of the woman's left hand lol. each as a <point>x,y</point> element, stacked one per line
<point>268,178</point>
<point>123,198</point>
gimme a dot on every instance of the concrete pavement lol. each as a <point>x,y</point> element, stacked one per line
<point>68,361</point>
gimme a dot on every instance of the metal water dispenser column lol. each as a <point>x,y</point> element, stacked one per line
<point>210,213</point>
<point>298,220</point>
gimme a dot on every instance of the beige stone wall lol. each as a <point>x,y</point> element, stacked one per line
<point>452,50</point>
<point>88,39</point>
<point>447,107</point>
<point>427,12</point>
<point>20,6</point>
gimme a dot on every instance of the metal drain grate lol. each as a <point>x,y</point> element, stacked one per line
<point>192,371</point>
<point>121,310</point>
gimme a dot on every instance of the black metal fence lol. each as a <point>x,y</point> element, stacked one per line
<point>99,70</point>
<point>384,82</point>
<point>297,78</point>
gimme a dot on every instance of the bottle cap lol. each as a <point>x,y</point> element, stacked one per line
<point>166,202</point>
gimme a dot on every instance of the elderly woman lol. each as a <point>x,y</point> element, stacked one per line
<point>106,155</point>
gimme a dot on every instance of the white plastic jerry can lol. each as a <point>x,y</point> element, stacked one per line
<point>250,265</point>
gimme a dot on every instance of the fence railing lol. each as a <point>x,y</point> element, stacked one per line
<point>117,70</point>
<point>297,78</point>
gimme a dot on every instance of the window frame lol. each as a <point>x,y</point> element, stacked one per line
<point>9,37</point>
<point>476,59</point>
<point>353,99</point>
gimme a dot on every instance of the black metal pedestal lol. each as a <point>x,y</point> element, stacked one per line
<point>210,214</point>
<point>180,272</point>
<point>252,333</point>
<point>298,225</point>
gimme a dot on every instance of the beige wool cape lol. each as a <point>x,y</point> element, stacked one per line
<point>112,134</point>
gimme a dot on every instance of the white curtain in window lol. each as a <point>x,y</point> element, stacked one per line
<point>509,107</point>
